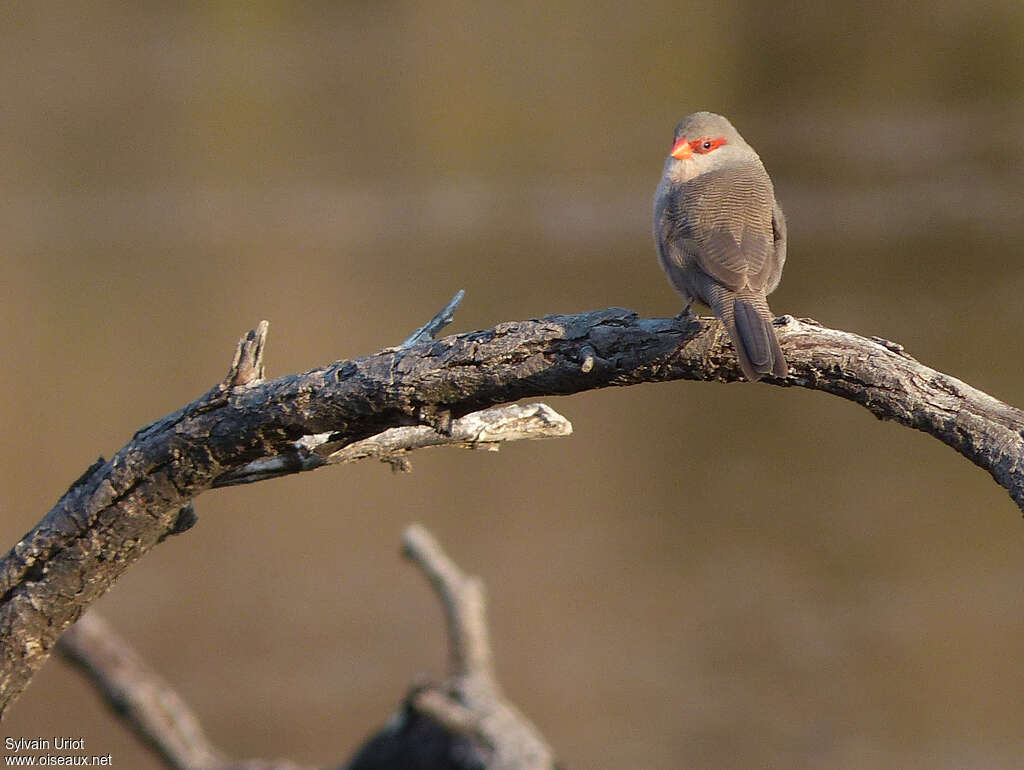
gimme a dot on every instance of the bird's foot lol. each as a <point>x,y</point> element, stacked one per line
<point>685,314</point>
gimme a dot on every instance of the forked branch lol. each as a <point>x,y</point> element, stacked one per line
<point>122,507</point>
<point>463,722</point>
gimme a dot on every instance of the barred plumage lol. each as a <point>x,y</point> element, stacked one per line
<point>721,236</point>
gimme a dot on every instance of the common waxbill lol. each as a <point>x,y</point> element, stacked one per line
<point>721,236</point>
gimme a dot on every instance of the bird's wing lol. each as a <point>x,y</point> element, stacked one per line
<point>779,255</point>
<point>723,220</point>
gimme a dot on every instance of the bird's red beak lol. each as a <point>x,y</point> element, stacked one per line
<point>681,149</point>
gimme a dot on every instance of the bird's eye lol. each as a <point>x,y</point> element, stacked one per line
<point>705,145</point>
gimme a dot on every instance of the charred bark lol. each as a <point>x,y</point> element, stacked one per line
<point>121,508</point>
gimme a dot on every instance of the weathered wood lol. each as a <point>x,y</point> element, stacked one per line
<point>120,508</point>
<point>464,721</point>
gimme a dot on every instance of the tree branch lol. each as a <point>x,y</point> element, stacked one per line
<point>463,600</point>
<point>486,429</point>
<point>120,508</point>
<point>466,722</point>
<point>151,707</point>
<point>430,329</point>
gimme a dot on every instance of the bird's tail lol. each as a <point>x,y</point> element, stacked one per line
<point>749,321</point>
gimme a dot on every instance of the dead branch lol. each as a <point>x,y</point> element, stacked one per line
<point>150,706</point>
<point>486,429</point>
<point>430,329</point>
<point>120,508</point>
<point>464,722</point>
<point>462,598</point>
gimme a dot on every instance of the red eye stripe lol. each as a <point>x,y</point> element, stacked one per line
<point>706,144</point>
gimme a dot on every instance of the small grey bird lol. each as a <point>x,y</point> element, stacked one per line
<point>721,236</point>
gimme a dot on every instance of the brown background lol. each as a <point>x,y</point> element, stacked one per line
<point>703,575</point>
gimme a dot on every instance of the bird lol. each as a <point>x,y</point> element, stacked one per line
<point>721,235</point>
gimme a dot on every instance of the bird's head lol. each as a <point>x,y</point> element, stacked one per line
<point>705,142</point>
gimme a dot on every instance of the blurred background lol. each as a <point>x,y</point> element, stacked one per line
<point>702,575</point>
